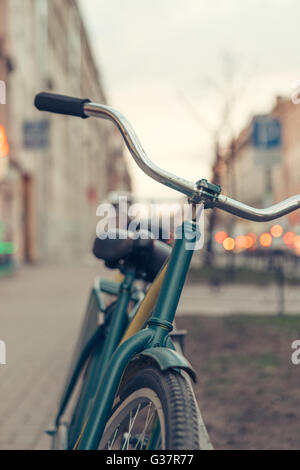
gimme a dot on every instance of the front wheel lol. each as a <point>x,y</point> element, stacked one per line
<point>155,410</point>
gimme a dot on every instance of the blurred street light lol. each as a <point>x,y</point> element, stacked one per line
<point>297,242</point>
<point>241,242</point>
<point>276,231</point>
<point>289,238</point>
<point>229,244</point>
<point>265,240</point>
<point>4,148</point>
<point>220,237</point>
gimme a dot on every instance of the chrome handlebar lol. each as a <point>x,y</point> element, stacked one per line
<point>202,191</point>
<point>135,148</point>
<point>179,184</point>
<point>196,192</point>
<point>258,215</point>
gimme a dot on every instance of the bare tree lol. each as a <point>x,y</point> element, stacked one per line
<point>229,87</point>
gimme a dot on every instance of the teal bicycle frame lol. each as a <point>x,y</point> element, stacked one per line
<point>108,358</point>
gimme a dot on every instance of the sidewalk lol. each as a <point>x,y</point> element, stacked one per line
<point>202,299</point>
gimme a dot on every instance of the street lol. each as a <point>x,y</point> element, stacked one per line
<point>41,311</point>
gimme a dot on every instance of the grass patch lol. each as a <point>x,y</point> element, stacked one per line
<point>248,388</point>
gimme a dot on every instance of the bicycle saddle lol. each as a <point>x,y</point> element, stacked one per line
<point>145,254</point>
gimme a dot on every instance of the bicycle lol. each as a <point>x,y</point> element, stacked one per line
<point>128,387</point>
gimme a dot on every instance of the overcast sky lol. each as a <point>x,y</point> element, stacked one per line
<point>162,63</point>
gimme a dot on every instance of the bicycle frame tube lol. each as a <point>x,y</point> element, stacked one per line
<point>94,427</point>
<point>156,335</point>
<point>146,307</point>
<point>118,321</point>
<point>103,352</point>
<point>177,269</point>
<point>84,403</point>
<point>148,303</point>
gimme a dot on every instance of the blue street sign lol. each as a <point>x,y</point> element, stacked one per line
<point>266,132</point>
<point>266,140</point>
<point>36,135</point>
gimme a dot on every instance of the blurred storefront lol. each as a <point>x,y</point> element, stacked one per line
<point>261,175</point>
<point>58,168</point>
<point>244,177</point>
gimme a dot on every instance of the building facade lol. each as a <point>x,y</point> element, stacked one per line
<point>61,167</point>
<point>286,176</point>
<point>245,180</point>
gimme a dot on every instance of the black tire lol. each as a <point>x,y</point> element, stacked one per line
<point>178,410</point>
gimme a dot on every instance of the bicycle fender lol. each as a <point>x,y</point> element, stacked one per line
<point>167,358</point>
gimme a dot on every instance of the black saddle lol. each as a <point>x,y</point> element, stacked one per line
<point>120,248</point>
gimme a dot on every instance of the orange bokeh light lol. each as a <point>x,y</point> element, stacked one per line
<point>297,242</point>
<point>265,240</point>
<point>4,148</point>
<point>229,244</point>
<point>289,238</point>
<point>276,231</point>
<point>241,242</point>
<point>253,236</point>
<point>249,241</point>
<point>220,237</point>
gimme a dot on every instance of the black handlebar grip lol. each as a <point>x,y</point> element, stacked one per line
<point>61,104</point>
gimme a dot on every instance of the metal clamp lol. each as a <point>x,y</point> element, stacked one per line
<point>207,193</point>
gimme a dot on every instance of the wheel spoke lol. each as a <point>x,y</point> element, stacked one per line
<point>113,439</point>
<point>147,422</point>
<point>131,424</point>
